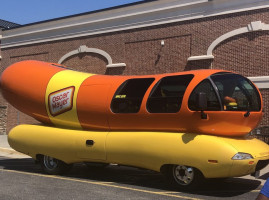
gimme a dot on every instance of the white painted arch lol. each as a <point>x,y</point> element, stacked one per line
<point>85,49</point>
<point>253,26</point>
<point>262,82</point>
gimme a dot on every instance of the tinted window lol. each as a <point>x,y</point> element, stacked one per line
<point>212,100</point>
<point>168,93</point>
<point>237,93</point>
<point>129,96</point>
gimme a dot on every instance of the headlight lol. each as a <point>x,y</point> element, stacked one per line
<point>242,156</point>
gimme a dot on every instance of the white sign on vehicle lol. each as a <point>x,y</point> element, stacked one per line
<point>61,101</point>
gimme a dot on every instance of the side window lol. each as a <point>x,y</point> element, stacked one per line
<point>212,100</point>
<point>129,95</point>
<point>168,93</point>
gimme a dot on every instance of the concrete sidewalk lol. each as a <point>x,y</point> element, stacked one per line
<point>7,151</point>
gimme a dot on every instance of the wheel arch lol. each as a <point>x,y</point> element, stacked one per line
<point>165,167</point>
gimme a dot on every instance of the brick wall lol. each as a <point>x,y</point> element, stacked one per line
<point>247,54</point>
<point>141,50</point>
<point>3,119</point>
<point>265,96</point>
<point>150,57</point>
<point>3,107</point>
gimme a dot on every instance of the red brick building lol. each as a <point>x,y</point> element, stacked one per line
<point>148,37</point>
<point>3,105</point>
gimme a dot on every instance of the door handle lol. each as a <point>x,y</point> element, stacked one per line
<point>89,142</point>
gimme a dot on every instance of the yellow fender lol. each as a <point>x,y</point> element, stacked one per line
<point>212,155</point>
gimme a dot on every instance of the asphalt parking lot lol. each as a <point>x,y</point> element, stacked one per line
<point>21,178</point>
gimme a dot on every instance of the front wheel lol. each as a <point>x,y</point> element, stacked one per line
<point>54,166</point>
<point>184,177</point>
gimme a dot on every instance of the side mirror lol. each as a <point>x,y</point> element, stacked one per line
<point>202,104</point>
<point>201,101</point>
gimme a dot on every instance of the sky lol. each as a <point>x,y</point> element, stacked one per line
<point>30,11</point>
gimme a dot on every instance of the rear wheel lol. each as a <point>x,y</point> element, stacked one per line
<point>184,177</point>
<point>54,166</point>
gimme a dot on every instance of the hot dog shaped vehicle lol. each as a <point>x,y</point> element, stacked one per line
<point>174,123</point>
<point>211,102</point>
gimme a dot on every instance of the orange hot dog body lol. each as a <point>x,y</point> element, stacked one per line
<point>86,102</point>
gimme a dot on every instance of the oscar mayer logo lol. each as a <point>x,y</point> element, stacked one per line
<point>61,101</point>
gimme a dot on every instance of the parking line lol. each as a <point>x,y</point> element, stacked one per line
<point>256,191</point>
<point>107,184</point>
<point>169,192</point>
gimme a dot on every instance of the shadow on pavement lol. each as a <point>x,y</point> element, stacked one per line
<point>230,187</point>
<point>265,176</point>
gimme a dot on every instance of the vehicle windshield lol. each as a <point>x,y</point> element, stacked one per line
<point>236,92</point>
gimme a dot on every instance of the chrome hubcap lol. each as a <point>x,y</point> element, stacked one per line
<point>50,163</point>
<point>183,174</point>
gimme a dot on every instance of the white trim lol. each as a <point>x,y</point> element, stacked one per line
<point>85,49</point>
<point>116,65</point>
<point>126,18</point>
<point>262,82</point>
<point>253,26</point>
<point>204,57</point>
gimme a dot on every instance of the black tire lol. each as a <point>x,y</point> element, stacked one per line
<point>54,166</point>
<point>184,177</point>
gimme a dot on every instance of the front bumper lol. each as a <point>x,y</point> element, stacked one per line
<point>246,167</point>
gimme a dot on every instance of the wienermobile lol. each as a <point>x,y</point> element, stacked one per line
<point>189,125</point>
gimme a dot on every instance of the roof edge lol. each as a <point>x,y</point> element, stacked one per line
<point>84,13</point>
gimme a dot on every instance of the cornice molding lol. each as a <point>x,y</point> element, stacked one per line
<point>131,17</point>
